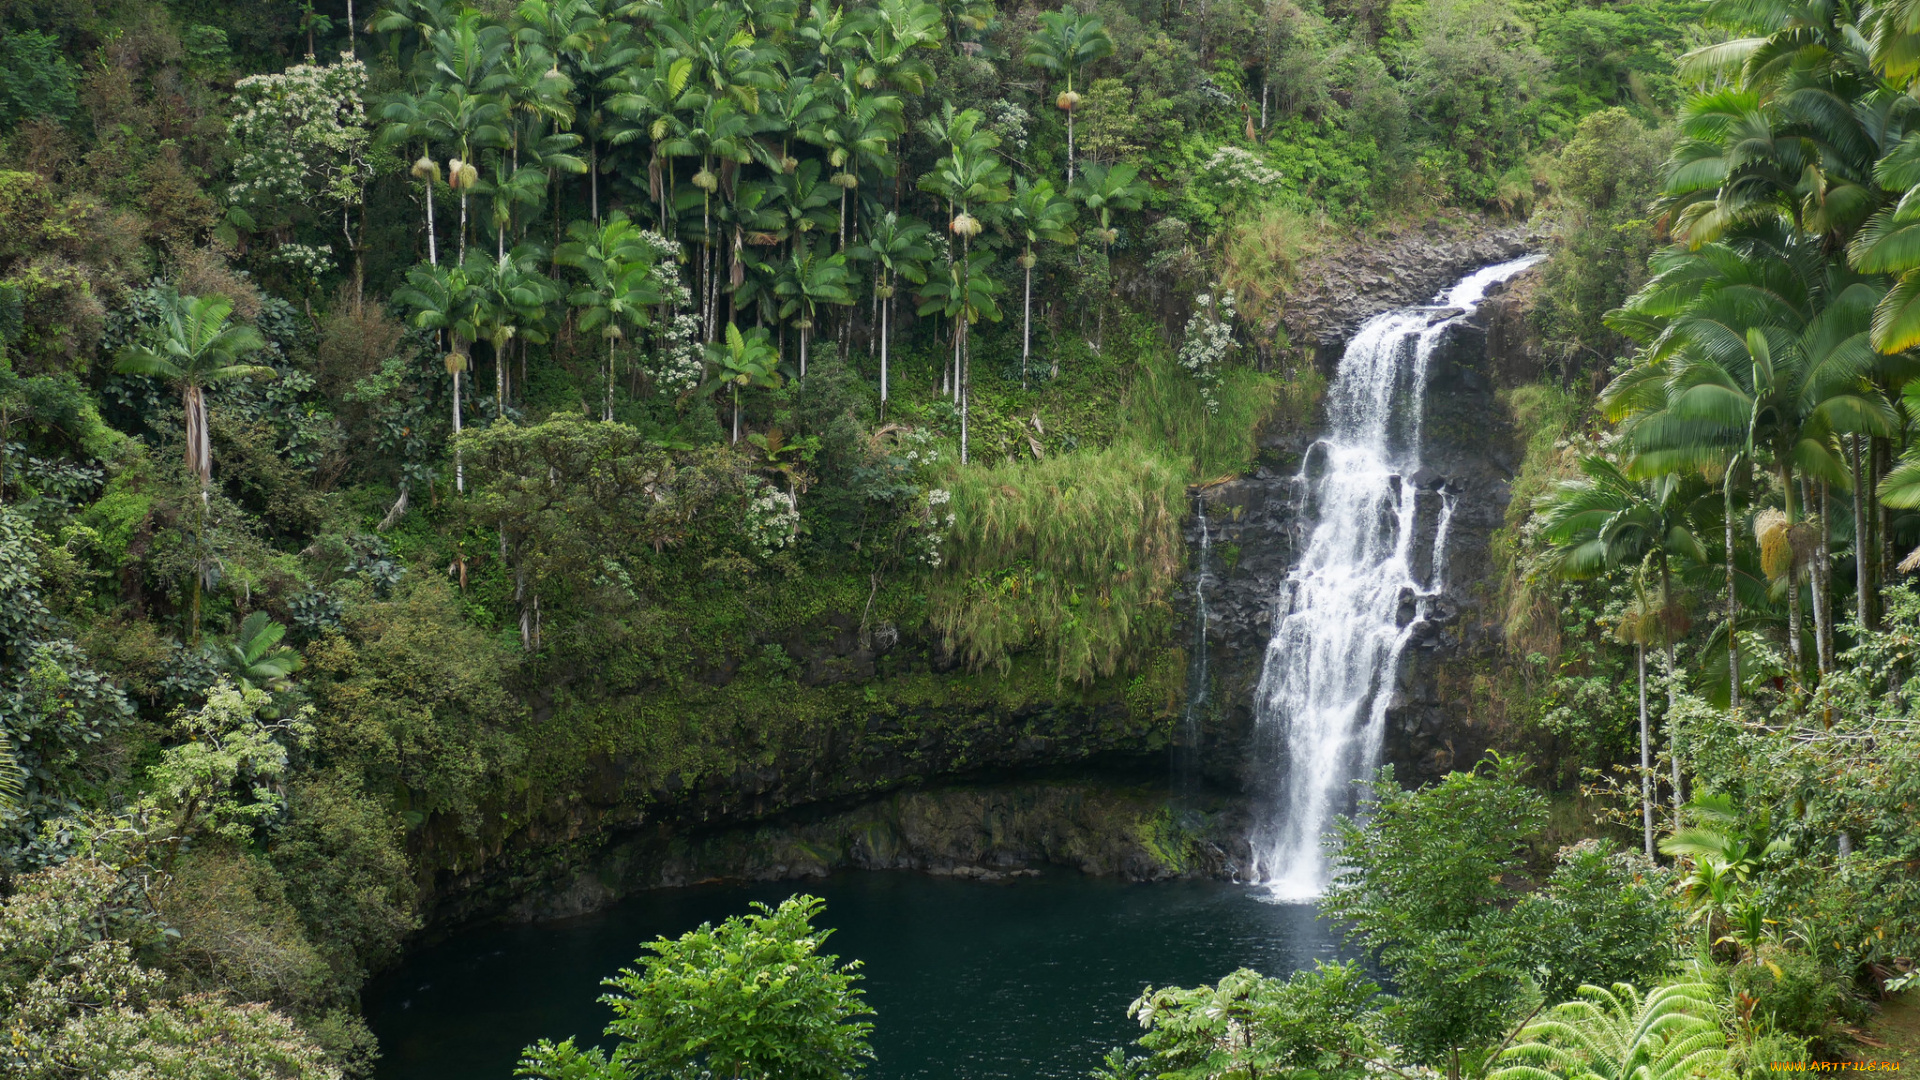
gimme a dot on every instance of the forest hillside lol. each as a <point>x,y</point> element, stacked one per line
<point>436,438</point>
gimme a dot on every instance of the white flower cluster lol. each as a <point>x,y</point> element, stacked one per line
<point>680,363</point>
<point>927,543</point>
<point>1209,339</point>
<point>771,521</point>
<point>307,260</point>
<point>301,135</point>
<point>1241,171</point>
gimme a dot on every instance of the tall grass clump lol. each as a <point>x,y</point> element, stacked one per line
<point>1165,414</point>
<point>1074,554</point>
<point>1261,255</point>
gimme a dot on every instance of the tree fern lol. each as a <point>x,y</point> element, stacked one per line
<point>1618,1034</point>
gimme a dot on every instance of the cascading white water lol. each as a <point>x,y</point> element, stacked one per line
<point>1351,602</point>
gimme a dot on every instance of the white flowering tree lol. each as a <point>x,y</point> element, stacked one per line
<point>1209,339</point>
<point>301,139</point>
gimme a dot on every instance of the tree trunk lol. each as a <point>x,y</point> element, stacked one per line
<point>199,453</point>
<point>1646,753</point>
<point>1793,580</point>
<point>1070,131</point>
<point>433,245</point>
<point>463,225</point>
<point>736,412</point>
<point>1026,325</point>
<point>960,384</point>
<point>1862,549</point>
<point>885,307</point>
<point>1733,603</point>
<point>459,469</point>
<point>606,411</point>
<point>1673,682</point>
<point>1823,575</point>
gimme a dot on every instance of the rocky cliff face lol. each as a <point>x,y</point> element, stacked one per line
<point>870,781</point>
<point>1470,450</point>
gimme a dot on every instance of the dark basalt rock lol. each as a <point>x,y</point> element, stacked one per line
<point>1470,452</point>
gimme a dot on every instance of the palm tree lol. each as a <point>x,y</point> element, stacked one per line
<point>1066,42</point>
<point>965,295</point>
<point>197,347</point>
<point>256,659</point>
<point>1607,520</point>
<point>897,29</point>
<point>743,360</point>
<point>1038,214</point>
<point>444,298</point>
<point>1753,363</point>
<point>652,102</point>
<point>898,249</point>
<point>512,304</point>
<point>810,278</point>
<point>858,132</point>
<point>620,287</point>
<point>971,173</point>
<point>1103,190</point>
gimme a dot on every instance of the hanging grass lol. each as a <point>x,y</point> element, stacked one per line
<point>1075,555</point>
<point>1166,413</point>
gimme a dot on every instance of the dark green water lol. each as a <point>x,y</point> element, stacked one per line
<point>1027,979</point>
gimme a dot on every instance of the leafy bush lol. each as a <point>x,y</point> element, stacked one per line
<point>1603,918</point>
<point>752,998</point>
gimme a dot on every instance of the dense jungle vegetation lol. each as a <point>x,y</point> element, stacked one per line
<point>406,411</point>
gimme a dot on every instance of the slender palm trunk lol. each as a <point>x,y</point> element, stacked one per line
<point>960,383</point>
<point>463,225</point>
<point>606,412</point>
<point>1026,324</point>
<point>1069,131</point>
<point>885,305</point>
<point>1733,603</point>
<point>736,412</point>
<point>199,454</point>
<point>433,245</point>
<point>1823,577</point>
<point>1646,752</point>
<point>1673,682</point>
<point>1862,557</point>
<point>459,468</point>
<point>1793,578</point>
<point>806,331</point>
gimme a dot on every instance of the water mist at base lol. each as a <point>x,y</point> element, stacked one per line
<point>1352,601</point>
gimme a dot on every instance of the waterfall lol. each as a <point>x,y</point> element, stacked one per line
<point>1352,600</point>
<point>1186,754</point>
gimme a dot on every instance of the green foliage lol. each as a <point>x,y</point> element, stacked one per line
<point>1603,917</point>
<point>1317,1023</point>
<point>343,857</point>
<point>36,81</point>
<point>76,1002</point>
<point>752,998</point>
<point>1671,1031</point>
<point>224,778</point>
<point>256,659</point>
<point>1422,888</point>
